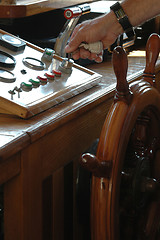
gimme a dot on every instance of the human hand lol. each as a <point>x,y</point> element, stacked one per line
<point>105,29</point>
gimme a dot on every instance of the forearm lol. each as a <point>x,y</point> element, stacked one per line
<point>107,28</point>
<point>139,11</point>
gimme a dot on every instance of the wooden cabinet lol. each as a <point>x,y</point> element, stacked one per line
<point>40,182</point>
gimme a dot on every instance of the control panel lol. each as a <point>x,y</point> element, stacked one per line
<point>34,79</point>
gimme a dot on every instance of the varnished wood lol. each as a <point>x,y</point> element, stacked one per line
<point>98,168</point>
<point>9,168</point>
<point>122,87</point>
<point>114,139</point>
<point>152,53</point>
<point>24,210</point>
<point>42,145</point>
<point>24,8</point>
<point>58,203</point>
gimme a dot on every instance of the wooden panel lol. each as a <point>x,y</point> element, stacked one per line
<point>9,168</point>
<point>53,206</point>
<point>68,141</point>
<point>23,8</point>
<point>23,200</point>
<point>58,205</point>
<point>11,144</point>
<point>23,195</point>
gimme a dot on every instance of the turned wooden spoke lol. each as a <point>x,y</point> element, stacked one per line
<point>92,164</point>
<point>120,65</point>
<point>152,52</point>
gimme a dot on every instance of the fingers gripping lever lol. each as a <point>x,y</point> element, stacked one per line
<point>72,15</point>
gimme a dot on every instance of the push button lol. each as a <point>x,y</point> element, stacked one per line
<point>35,82</point>
<point>49,76</point>
<point>26,86</point>
<point>42,79</point>
<point>57,73</point>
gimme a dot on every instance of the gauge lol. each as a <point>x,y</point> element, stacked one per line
<point>33,63</point>
<point>7,76</point>
<point>7,60</point>
<point>13,43</point>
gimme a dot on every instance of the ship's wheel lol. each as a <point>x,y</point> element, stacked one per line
<point>125,198</point>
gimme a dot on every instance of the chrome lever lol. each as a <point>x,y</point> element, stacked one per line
<point>72,15</point>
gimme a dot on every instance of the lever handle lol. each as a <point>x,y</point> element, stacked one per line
<point>96,47</point>
<point>77,11</point>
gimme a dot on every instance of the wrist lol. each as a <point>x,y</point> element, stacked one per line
<point>123,20</point>
<point>112,23</point>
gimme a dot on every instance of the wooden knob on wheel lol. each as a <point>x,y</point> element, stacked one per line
<point>152,52</point>
<point>120,65</point>
<point>92,164</point>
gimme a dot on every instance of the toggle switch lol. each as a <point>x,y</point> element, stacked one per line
<point>48,54</point>
<point>18,89</point>
<point>12,92</point>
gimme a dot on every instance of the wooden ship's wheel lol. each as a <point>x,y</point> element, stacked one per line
<point>125,197</point>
